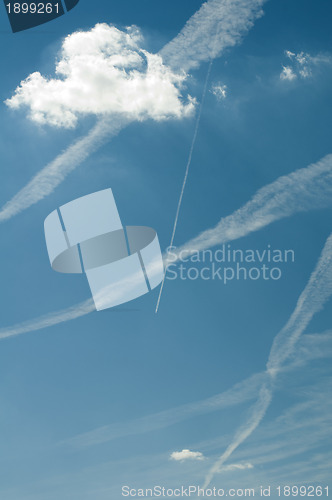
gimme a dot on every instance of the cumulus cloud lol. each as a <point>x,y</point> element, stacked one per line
<point>302,65</point>
<point>219,91</point>
<point>180,456</point>
<point>104,71</point>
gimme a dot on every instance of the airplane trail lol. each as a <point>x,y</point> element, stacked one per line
<point>186,174</point>
<point>305,189</point>
<point>45,181</point>
<point>313,298</point>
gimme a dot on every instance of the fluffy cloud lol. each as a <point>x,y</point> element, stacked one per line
<point>301,65</point>
<point>180,456</point>
<point>101,72</point>
<point>219,91</point>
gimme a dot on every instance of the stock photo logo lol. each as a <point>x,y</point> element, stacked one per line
<point>24,15</point>
<point>121,262</point>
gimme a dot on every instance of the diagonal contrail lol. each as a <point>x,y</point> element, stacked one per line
<point>302,190</point>
<point>186,174</point>
<point>313,298</point>
<point>57,170</point>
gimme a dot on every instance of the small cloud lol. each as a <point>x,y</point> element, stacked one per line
<point>289,54</point>
<point>302,65</point>
<point>104,72</point>
<point>219,91</point>
<point>180,456</point>
<point>287,74</point>
<point>233,467</point>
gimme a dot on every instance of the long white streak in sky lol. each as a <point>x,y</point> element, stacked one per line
<point>246,390</point>
<point>313,298</point>
<point>305,189</point>
<point>186,174</point>
<point>257,414</point>
<point>231,19</point>
<point>55,172</point>
<point>48,320</point>
<point>310,347</point>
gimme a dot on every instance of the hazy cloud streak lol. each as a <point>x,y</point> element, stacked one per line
<point>305,189</point>
<point>229,19</point>
<point>44,183</point>
<point>312,300</point>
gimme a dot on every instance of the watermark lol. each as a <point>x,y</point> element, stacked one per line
<point>228,264</point>
<point>284,491</point>
<point>186,491</point>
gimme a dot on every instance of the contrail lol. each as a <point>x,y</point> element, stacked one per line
<point>238,394</point>
<point>258,412</point>
<point>48,320</point>
<point>186,173</point>
<point>230,19</point>
<point>313,298</point>
<point>305,189</point>
<point>55,172</point>
<point>310,187</point>
<point>238,17</point>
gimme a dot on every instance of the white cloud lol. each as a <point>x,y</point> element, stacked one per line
<point>219,91</point>
<point>234,467</point>
<point>287,74</point>
<point>104,71</point>
<point>180,456</point>
<point>60,101</point>
<point>302,65</point>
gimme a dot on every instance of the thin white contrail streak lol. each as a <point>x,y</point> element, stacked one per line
<point>305,189</point>
<point>55,172</point>
<point>313,298</point>
<point>186,173</point>
<point>48,320</point>
<point>228,21</point>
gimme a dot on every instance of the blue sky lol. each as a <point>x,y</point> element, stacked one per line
<point>104,400</point>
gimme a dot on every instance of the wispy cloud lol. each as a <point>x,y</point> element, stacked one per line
<point>236,467</point>
<point>310,347</point>
<point>302,65</point>
<point>305,189</point>
<point>287,74</point>
<point>181,456</point>
<point>312,300</point>
<point>219,91</point>
<point>246,390</point>
<point>218,24</point>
